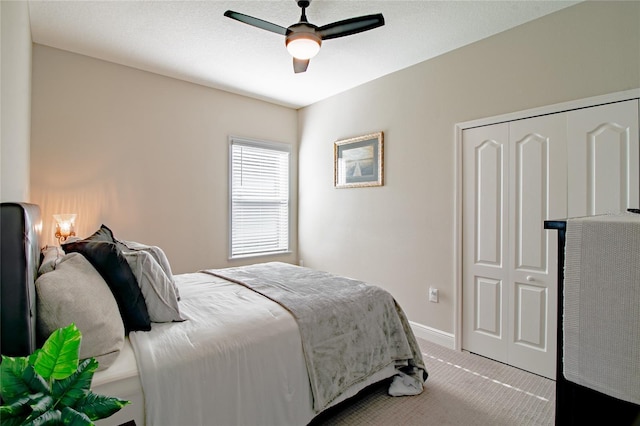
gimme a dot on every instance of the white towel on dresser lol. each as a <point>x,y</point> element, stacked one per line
<point>602,304</point>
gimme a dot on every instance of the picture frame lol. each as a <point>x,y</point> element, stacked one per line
<point>359,162</point>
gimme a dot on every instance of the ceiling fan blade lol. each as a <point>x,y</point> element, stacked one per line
<point>259,23</point>
<point>350,26</point>
<point>300,65</point>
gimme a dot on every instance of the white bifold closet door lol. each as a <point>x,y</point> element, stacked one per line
<point>514,178</point>
<point>516,175</point>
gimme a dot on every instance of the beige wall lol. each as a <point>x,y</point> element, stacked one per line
<point>401,236</point>
<point>144,154</point>
<point>15,84</point>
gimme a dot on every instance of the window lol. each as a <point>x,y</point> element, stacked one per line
<point>259,197</point>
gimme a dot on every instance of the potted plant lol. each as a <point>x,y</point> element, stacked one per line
<point>51,386</point>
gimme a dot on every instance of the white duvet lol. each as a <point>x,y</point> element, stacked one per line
<point>236,360</point>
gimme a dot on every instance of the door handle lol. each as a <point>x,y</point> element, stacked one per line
<point>530,278</point>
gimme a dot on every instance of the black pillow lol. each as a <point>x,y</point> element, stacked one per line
<point>103,234</point>
<point>107,259</point>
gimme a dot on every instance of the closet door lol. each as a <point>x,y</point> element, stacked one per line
<point>537,192</point>
<point>514,178</point>
<point>603,162</point>
<point>485,156</point>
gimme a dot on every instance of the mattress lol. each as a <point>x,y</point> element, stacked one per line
<point>122,380</point>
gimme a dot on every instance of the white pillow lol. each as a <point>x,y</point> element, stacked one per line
<point>157,289</point>
<point>76,292</point>
<point>157,253</point>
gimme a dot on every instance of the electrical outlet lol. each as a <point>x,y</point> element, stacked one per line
<point>433,295</point>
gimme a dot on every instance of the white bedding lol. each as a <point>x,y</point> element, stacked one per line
<point>349,329</point>
<point>241,355</point>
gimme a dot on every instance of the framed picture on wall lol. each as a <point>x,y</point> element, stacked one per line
<point>358,161</point>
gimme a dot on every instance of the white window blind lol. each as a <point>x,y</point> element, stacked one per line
<point>259,197</point>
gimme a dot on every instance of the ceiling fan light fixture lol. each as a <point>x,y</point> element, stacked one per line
<point>303,45</point>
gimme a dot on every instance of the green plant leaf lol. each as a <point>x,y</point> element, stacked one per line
<point>35,382</point>
<point>58,358</point>
<point>34,356</point>
<point>16,412</point>
<point>52,417</point>
<point>41,403</point>
<point>18,378</point>
<point>100,406</point>
<point>75,387</point>
<point>12,421</point>
<point>12,385</point>
<point>72,417</point>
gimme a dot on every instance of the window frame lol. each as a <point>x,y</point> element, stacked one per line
<point>262,144</point>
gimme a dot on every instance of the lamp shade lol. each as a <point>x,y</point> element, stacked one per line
<point>65,225</point>
<point>303,45</point>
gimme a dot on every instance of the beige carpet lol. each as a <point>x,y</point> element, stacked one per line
<point>462,389</point>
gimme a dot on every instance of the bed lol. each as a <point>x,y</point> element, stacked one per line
<point>260,344</point>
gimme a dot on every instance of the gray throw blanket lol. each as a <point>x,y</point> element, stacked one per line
<point>349,329</point>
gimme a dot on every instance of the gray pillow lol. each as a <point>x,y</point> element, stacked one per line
<point>51,256</point>
<point>157,289</point>
<point>76,293</point>
<point>157,253</point>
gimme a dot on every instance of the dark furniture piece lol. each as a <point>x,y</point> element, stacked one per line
<point>19,259</point>
<point>576,404</point>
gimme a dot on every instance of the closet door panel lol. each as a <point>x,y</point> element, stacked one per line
<point>537,192</point>
<point>485,258</point>
<point>531,170</point>
<point>489,202</point>
<point>531,323</point>
<point>604,173</point>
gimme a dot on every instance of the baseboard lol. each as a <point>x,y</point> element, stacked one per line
<point>433,335</point>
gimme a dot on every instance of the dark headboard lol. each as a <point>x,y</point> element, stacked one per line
<point>20,228</point>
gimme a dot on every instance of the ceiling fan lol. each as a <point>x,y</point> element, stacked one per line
<point>303,39</point>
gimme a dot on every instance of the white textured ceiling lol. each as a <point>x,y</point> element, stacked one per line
<point>193,41</point>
